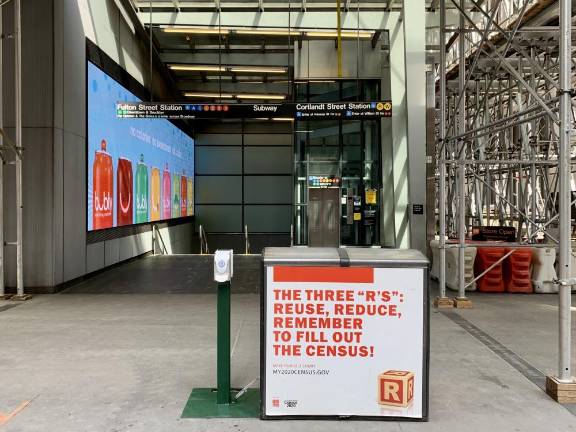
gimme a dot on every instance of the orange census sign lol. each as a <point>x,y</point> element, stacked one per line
<point>324,274</point>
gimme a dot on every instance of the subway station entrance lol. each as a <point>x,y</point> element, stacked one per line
<point>337,170</point>
<point>295,180</point>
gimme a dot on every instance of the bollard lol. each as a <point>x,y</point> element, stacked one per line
<point>223,344</point>
<point>223,269</point>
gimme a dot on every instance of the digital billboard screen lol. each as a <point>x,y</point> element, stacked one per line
<point>139,170</point>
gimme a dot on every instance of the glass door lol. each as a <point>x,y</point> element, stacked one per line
<point>348,150</point>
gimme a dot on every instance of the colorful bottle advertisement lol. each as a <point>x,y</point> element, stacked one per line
<point>166,194</point>
<point>103,189</point>
<point>132,163</point>
<point>183,195</point>
<point>155,195</point>
<point>176,195</point>
<point>141,191</point>
<point>124,188</point>
<point>190,197</point>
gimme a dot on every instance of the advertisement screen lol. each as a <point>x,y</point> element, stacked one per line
<point>139,170</point>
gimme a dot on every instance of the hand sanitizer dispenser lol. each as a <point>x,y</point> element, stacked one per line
<point>223,265</point>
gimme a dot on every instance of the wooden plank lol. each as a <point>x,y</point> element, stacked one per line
<point>560,391</point>
<point>462,303</point>
<point>443,302</point>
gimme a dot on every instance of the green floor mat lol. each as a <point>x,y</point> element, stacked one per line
<point>202,404</point>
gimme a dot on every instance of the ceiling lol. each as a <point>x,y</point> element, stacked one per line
<point>232,62</point>
<point>208,63</point>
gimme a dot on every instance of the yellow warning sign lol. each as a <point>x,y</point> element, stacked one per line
<point>357,216</point>
<point>370,196</point>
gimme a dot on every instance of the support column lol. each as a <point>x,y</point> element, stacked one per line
<point>563,387</point>
<point>2,155</point>
<point>461,301</point>
<point>395,143</point>
<point>414,23</point>
<point>442,300</point>
<point>19,150</point>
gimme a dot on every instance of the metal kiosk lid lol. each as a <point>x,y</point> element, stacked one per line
<point>335,257</point>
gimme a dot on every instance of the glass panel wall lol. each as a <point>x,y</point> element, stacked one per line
<point>346,149</point>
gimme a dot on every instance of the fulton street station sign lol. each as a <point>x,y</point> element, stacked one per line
<point>298,111</point>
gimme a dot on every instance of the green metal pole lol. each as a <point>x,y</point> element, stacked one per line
<point>223,341</point>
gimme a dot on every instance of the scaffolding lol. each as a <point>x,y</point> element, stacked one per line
<point>505,150</point>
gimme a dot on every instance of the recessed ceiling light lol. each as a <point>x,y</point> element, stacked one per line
<point>268,32</point>
<point>260,96</point>
<point>208,95</point>
<point>196,30</point>
<point>198,68</point>
<point>344,34</point>
<point>257,69</point>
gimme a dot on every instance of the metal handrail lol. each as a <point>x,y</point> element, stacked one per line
<point>291,235</point>
<point>203,241</point>
<point>246,241</point>
<point>158,240</point>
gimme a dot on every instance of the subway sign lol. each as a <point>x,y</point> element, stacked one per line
<point>323,181</point>
<point>297,111</point>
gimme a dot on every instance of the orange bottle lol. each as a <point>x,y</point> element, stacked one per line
<point>183,195</point>
<point>155,194</point>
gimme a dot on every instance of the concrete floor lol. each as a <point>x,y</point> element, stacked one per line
<point>127,362</point>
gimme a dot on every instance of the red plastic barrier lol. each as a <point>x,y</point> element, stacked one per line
<point>493,280</point>
<point>517,271</point>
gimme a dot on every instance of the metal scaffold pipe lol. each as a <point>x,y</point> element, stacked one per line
<point>18,134</point>
<point>339,38</point>
<point>442,151</point>
<point>462,150</point>
<point>564,175</point>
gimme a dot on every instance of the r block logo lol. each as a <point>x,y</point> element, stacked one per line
<point>275,403</point>
<point>396,388</point>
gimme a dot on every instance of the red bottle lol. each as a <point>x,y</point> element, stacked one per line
<point>102,189</point>
<point>124,192</point>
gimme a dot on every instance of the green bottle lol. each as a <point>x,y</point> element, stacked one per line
<point>175,196</point>
<point>141,191</point>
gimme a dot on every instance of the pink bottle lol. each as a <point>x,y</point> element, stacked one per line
<point>166,194</point>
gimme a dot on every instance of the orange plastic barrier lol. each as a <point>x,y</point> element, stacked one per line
<point>517,277</point>
<point>493,280</point>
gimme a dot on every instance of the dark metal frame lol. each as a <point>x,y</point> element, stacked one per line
<point>360,97</point>
<point>100,59</point>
